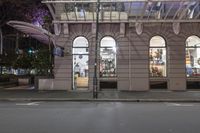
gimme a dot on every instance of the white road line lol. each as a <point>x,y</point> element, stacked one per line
<point>180,104</point>
<point>29,104</point>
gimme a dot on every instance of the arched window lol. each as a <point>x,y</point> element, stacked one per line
<point>80,63</point>
<point>157,57</point>
<point>80,45</point>
<point>193,56</point>
<point>108,57</point>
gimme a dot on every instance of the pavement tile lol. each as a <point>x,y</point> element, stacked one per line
<point>151,96</point>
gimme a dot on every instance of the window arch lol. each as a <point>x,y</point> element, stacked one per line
<point>108,57</point>
<point>80,45</point>
<point>80,42</point>
<point>157,57</point>
<point>193,56</point>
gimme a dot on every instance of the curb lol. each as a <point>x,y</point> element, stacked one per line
<point>96,100</point>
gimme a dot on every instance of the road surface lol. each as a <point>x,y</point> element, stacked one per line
<point>99,117</point>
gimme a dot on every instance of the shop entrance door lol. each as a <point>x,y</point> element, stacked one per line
<point>80,63</point>
<point>80,72</point>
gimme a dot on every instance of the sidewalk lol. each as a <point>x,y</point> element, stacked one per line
<point>28,94</point>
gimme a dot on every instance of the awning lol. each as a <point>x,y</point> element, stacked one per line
<point>36,32</point>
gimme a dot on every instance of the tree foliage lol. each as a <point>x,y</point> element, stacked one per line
<point>17,10</point>
<point>32,11</point>
<point>8,58</point>
<point>23,61</point>
<point>13,9</point>
<point>38,61</point>
<point>41,62</point>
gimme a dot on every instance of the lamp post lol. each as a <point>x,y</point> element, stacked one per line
<point>47,24</point>
<point>1,41</point>
<point>95,79</point>
<point>1,48</point>
<point>50,54</point>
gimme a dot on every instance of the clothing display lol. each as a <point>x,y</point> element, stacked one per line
<point>107,68</point>
<point>157,62</point>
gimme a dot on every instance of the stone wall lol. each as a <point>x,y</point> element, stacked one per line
<point>132,53</point>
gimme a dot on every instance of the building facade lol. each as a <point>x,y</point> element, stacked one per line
<point>159,50</point>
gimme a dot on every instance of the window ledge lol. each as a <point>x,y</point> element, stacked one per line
<point>193,79</point>
<point>108,79</point>
<point>158,79</point>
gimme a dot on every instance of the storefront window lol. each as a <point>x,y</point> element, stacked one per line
<point>193,56</point>
<point>108,57</point>
<point>157,57</point>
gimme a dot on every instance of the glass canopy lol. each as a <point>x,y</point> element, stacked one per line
<point>36,32</point>
<point>126,10</point>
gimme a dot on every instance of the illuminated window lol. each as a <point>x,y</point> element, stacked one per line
<point>80,46</point>
<point>108,57</point>
<point>157,57</point>
<point>193,56</point>
<point>80,63</point>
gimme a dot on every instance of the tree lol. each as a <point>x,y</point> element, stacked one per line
<point>41,62</point>
<point>23,61</point>
<point>32,11</point>
<point>38,15</point>
<point>37,60</point>
<point>11,10</point>
<point>14,10</point>
<point>7,59</point>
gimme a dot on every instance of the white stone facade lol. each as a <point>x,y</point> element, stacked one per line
<point>132,55</point>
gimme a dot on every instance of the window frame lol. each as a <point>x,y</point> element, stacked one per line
<point>75,54</point>
<point>102,47</point>
<point>166,60</point>
<point>75,47</point>
<point>188,47</point>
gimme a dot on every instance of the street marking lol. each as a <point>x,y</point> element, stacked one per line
<point>180,105</point>
<point>29,104</point>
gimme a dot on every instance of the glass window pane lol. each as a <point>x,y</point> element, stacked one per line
<point>80,72</point>
<point>108,42</point>
<point>193,62</point>
<point>157,62</point>
<point>193,41</point>
<point>108,62</point>
<point>80,50</point>
<point>80,42</point>
<point>81,65</point>
<point>157,41</point>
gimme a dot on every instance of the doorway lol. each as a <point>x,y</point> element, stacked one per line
<point>80,64</point>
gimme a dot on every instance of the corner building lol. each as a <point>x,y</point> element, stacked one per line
<point>141,45</point>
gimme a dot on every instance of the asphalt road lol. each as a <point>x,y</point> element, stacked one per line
<point>94,117</point>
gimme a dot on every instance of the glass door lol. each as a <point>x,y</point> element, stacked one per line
<point>80,72</point>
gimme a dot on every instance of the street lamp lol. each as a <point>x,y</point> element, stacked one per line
<point>1,48</point>
<point>1,41</point>
<point>47,24</point>
<point>95,79</point>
